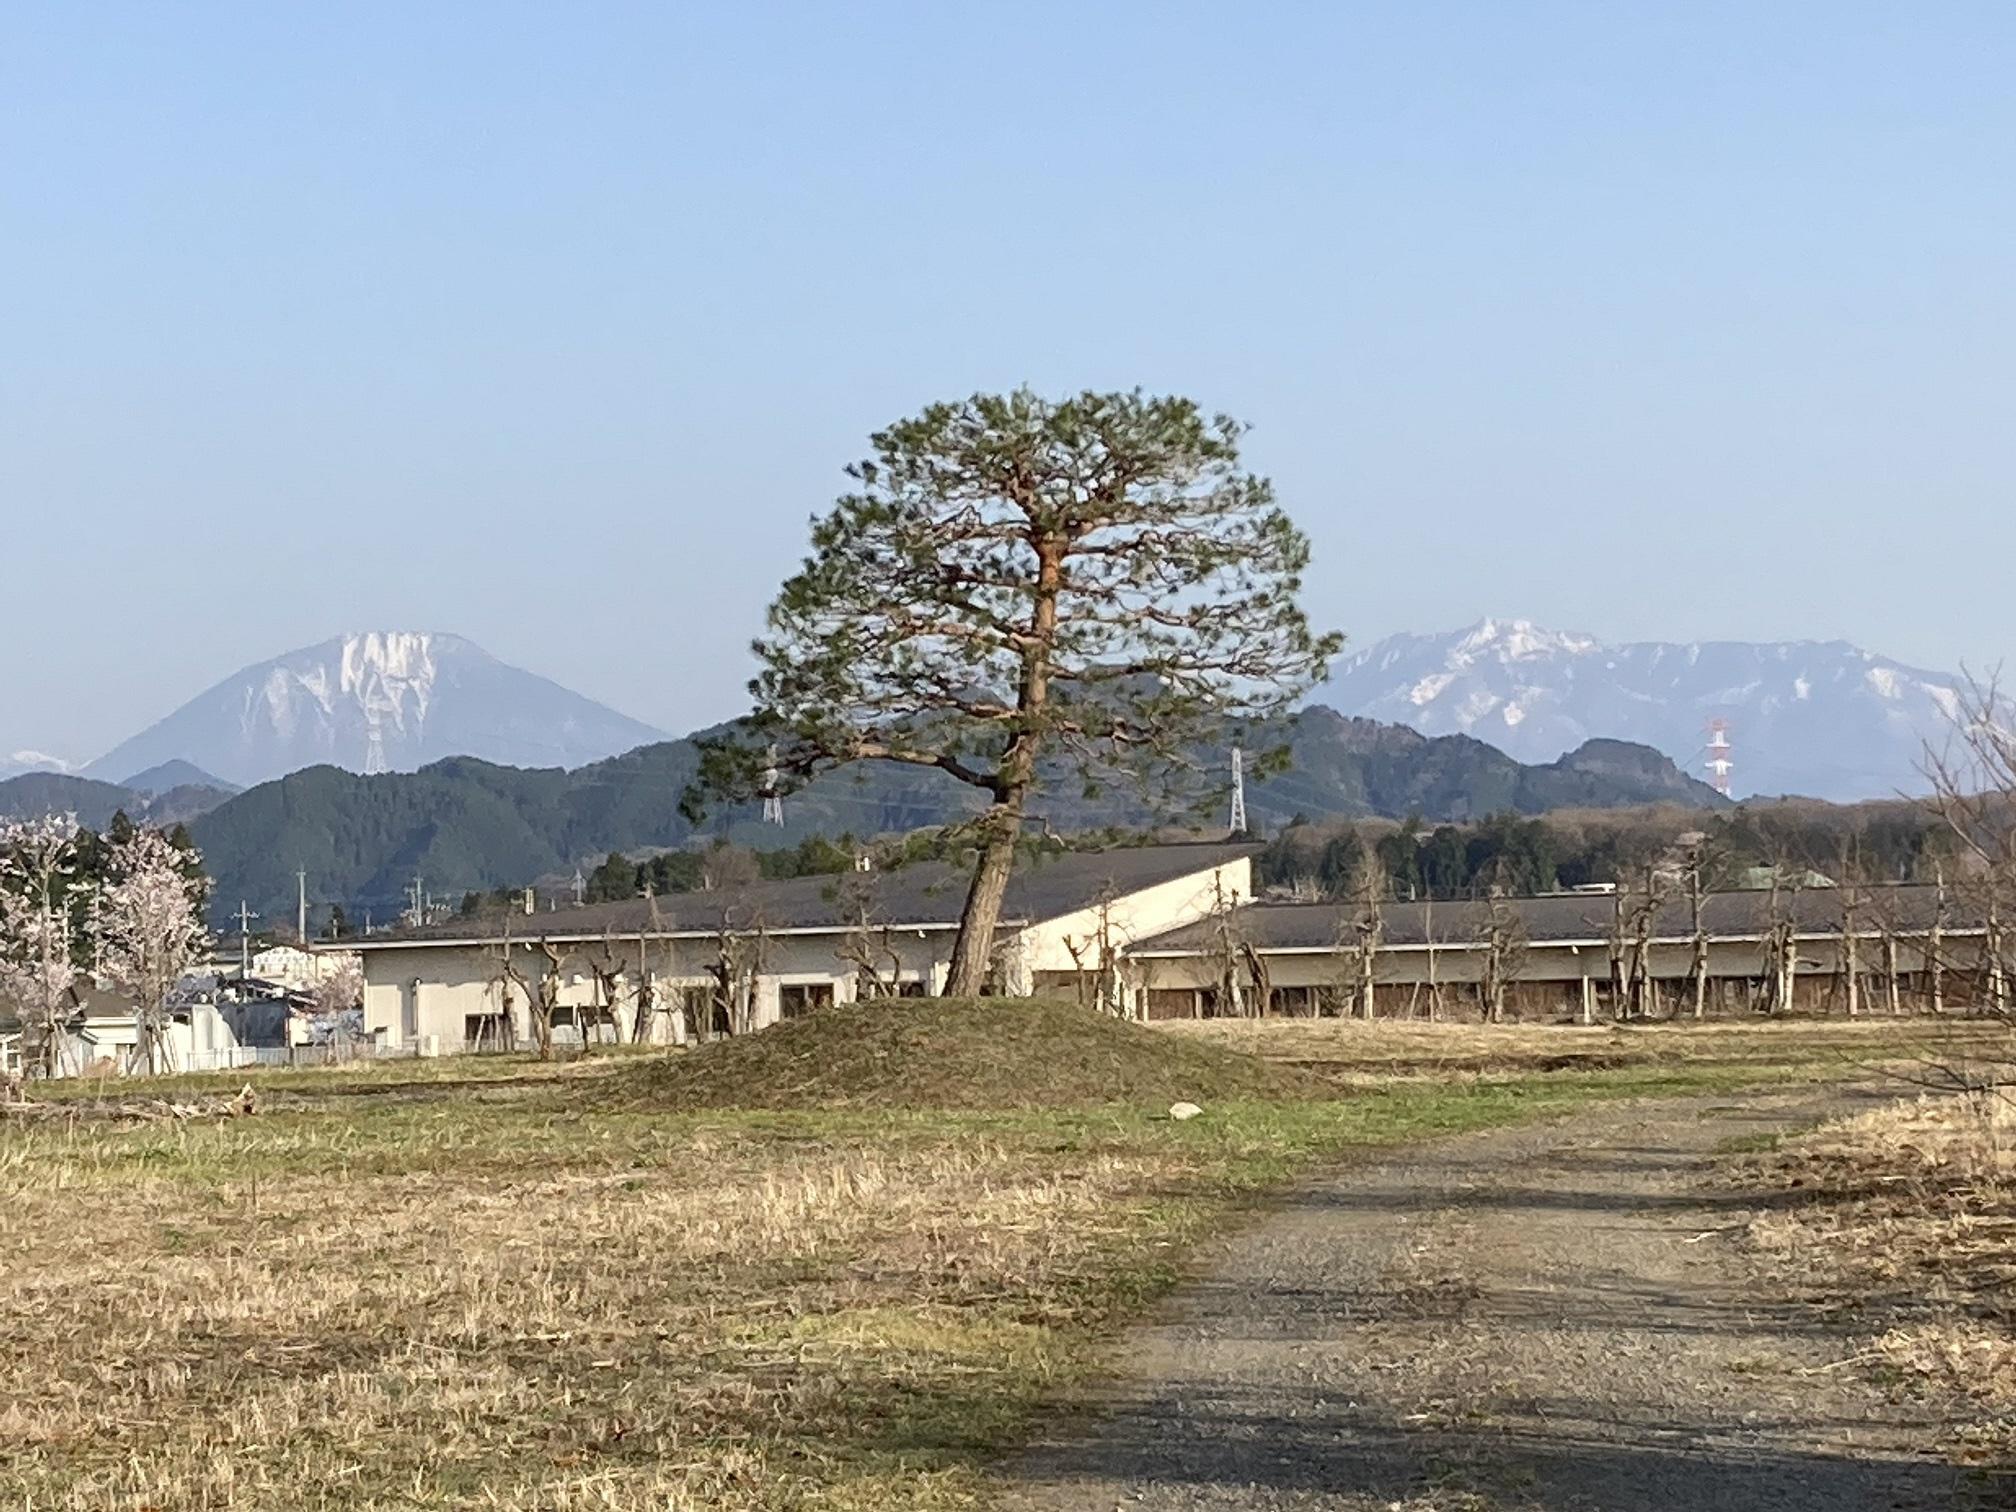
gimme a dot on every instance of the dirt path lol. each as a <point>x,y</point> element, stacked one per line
<point>1549,1317</point>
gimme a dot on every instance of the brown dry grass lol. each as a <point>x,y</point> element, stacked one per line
<point>1352,1049</point>
<point>476,1288</point>
<point>516,1301</point>
<point>511,1306</point>
<point>1912,1223</point>
<point>953,1053</point>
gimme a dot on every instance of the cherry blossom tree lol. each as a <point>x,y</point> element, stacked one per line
<point>38,949</point>
<point>151,932</point>
<point>341,990</point>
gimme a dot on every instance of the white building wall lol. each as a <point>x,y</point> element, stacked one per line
<point>427,994</point>
<point>1136,916</point>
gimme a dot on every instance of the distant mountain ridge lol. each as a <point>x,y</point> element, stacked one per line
<point>1821,718</point>
<point>31,795</point>
<point>466,825</point>
<point>170,775</point>
<point>378,701</point>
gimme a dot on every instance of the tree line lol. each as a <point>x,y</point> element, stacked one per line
<point>1516,854</point>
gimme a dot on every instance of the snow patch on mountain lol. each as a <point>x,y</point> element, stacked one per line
<point>19,763</point>
<point>1819,717</point>
<point>378,701</point>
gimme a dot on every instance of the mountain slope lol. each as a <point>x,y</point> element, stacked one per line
<point>390,702</point>
<point>1358,767</point>
<point>170,775</point>
<point>1822,718</point>
<point>35,794</point>
<point>465,825</point>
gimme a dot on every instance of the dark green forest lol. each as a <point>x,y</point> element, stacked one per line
<point>1883,841</point>
<point>468,827</point>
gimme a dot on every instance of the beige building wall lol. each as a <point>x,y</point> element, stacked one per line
<point>435,995</point>
<point>1672,962</point>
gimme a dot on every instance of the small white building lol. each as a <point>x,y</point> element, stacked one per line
<point>771,950</point>
<point>104,1038</point>
<point>292,966</point>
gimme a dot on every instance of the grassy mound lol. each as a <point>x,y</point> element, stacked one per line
<point>952,1053</point>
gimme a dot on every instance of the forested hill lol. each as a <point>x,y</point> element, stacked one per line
<point>34,794</point>
<point>467,825</point>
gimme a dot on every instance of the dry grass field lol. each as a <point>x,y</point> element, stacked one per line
<point>496,1285</point>
<point>1350,1051</point>
<point>1911,1222</point>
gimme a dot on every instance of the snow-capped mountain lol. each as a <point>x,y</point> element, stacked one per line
<point>19,763</point>
<point>377,702</point>
<point>1822,718</point>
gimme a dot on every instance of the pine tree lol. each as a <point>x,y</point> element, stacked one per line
<point>1091,582</point>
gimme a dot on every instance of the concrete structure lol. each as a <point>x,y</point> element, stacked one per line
<point>748,956</point>
<point>1850,949</point>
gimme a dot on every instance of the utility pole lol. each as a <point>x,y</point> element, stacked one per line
<point>245,918</point>
<point>301,909</point>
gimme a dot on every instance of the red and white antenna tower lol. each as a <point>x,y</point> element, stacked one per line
<point>1719,759</point>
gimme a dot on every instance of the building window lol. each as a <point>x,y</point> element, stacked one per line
<point>1291,1000</point>
<point>483,1031</point>
<point>704,1010</point>
<point>799,999</point>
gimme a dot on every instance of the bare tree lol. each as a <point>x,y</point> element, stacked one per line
<point>1617,942</point>
<point>740,953</point>
<point>1643,916</point>
<point>1848,960</point>
<point>542,995</point>
<point>1428,945</point>
<point>1695,867</point>
<point>870,948</point>
<point>1781,941</point>
<point>723,868</point>
<point>1935,943</point>
<point>1503,934</point>
<point>1244,985</point>
<point>1974,793</point>
<point>1368,925</point>
<point>609,968</point>
<point>1096,961</point>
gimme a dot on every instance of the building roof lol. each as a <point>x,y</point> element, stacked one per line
<point>1578,918</point>
<point>930,895</point>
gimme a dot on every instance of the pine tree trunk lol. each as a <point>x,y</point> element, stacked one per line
<point>973,950</point>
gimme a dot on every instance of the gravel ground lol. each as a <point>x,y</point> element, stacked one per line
<point>1549,1317</point>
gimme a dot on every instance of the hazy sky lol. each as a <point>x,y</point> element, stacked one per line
<point>552,324</point>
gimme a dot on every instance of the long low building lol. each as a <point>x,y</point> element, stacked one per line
<point>1171,932</point>
<point>1586,953</point>
<point>743,957</point>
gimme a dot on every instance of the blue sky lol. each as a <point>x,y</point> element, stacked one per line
<point>551,325</point>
